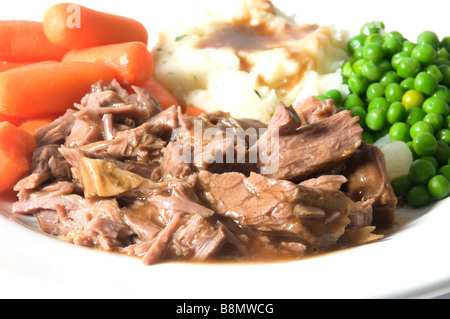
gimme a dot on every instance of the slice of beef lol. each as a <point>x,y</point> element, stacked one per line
<point>246,129</point>
<point>213,149</point>
<point>56,131</point>
<point>163,124</point>
<point>114,99</point>
<point>367,179</point>
<point>311,149</point>
<point>96,223</point>
<point>316,217</point>
<point>330,182</point>
<point>46,164</point>
<point>311,109</point>
<point>129,144</point>
<point>285,120</point>
<point>172,166</point>
<point>198,239</point>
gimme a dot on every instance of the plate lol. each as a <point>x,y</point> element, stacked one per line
<point>412,261</point>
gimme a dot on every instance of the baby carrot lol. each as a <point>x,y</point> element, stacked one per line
<point>132,62</point>
<point>25,41</point>
<point>5,65</point>
<point>31,125</point>
<point>160,93</point>
<point>193,110</point>
<point>48,88</point>
<point>77,27</point>
<point>16,148</point>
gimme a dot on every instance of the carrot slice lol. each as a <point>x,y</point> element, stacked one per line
<point>160,93</point>
<point>132,62</point>
<point>31,125</point>
<point>48,88</point>
<point>193,110</point>
<point>25,41</point>
<point>77,27</point>
<point>16,148</point>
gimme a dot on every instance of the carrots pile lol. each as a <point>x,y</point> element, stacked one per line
<point>47,66</point>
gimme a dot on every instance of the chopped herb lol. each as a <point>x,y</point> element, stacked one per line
<point>180,37</point>
<point>257,93</point>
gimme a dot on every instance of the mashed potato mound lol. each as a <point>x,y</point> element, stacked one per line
<point>245,63</point>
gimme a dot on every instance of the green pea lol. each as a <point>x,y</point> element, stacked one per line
<point>412,98</point>
<point>335,95</point>
<point>425,144</point>
<point>436,105</point>
<point>396,113</point>
<point>357,65</point>
<point>375,90</point>
<point>376,119</point>
<point>352,100</point>
<point>418,196</point>
<point>401,186</point>
<point>439,187</point>
<point>374,38</point>
<point>428,37</point>
<point>419,127</point>
<point>442,61</point>
<point>373,52</point>
<point>385,65</point>
<point>445,70</point>
<point>432,160</point>
<point>424,53</point>
<point>421,171</point>
<point>414,115</point>
<point>347,69</point>
<point>390,77</point>
<point>392,45</point>
<point>425,83</point>
<point>434,71</point>
<point>408,46</point>
<point>411,148</point>
<point>358,53</point>
<point>358,83</point>
<point>322,97</point>
<point>400,132</point>
<point>356,42</point>
<point>379,103</point>
<point>394,92</point>
<point>443,92</point>
<point>374,27</point>
<point>435,120</point>
<point>447,122</point>
<point>445,43</point>
<point>361,112</point>
<point>442,53</point>
<point>394,35</point>
<point>442,153</point>
<point>444,135</point>
<point>445,171</point>
<point>372,71</point>
<point>407,84</point>
<point>407,67</point>
<point>367,137</point>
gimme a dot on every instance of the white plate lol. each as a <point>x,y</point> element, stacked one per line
<point>411,262</point>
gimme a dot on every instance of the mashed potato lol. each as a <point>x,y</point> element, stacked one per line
<point>247,62</point>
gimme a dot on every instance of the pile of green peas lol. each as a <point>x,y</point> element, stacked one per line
<point>401,88</point>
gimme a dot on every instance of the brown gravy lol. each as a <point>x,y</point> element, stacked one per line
<point>244,37</point>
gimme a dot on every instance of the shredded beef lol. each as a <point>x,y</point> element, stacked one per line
<point>120,174</point>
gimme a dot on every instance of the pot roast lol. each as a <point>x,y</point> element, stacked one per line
<point>120,174</point>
